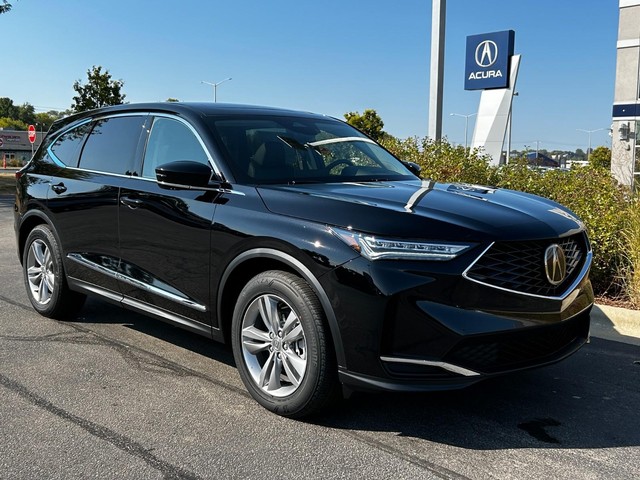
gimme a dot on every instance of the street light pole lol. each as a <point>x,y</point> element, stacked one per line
<point>466,125</point>
<point>590,132</point>
<point>515,94</point>
<point>215,87</point>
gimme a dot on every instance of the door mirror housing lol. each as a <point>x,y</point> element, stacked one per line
<point>184,173</point>
<point>413,168</point>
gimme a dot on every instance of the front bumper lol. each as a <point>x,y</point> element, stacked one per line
<point>439,331</point>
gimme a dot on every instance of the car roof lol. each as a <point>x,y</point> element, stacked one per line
<point>187,109</point>
<point>202,108</point>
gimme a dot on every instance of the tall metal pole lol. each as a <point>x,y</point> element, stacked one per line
<point>508,157</point>
<point>466,126</point>
<point>215,87</point>
<point>436,79</point>
<point>590,132</point>
<point>515,94</point>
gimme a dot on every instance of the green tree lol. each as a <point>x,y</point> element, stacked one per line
<point>99,91</point>
<point>12,124</point>
<point>5,6</point>
<point>7,108</point>
<point>368,122</point>
<point>26,113</point>
<point>171,99</point>
<point>600,158</point>
<point>45,120</point>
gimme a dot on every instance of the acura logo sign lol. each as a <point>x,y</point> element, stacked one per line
<point>555,264</point>
<point>486,53</point>
<point>487,60</point>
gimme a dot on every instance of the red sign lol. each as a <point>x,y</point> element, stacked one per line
<point>32,133</point>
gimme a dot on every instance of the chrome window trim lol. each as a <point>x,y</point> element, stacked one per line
<point>567,292</point>
<point>53,157</point>
<point>212,163</point>
<point>192,187</point>
<point>60,163</point>
<point>431,363</point>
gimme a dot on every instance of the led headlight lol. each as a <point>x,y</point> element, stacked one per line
<point>377,248</point>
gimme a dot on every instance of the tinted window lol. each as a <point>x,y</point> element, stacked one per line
<point>111,146</point>
<point>169,141</point>
<point>67,147</point>
<point>261,149</point>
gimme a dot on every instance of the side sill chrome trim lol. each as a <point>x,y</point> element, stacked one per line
<point>170,317</point>
<point>119,299</point>
<point>430,363</point>
<point>136,283</point>
<point>567,292</point>
<point>91,288</point>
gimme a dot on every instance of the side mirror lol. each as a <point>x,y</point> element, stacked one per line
<point>413,168</point>
<point>184,173</point>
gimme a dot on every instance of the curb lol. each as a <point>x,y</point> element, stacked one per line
<point>615,323</point>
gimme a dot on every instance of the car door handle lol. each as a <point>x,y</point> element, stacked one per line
<point>59,188</point>
<point>131,202</point>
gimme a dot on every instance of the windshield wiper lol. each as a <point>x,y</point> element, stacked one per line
<point>292,143</point>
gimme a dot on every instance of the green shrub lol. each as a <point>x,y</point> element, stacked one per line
<point>630,268</point>
<point>442,161</point>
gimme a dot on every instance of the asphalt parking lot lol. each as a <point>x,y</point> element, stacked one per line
<point>113,394</point>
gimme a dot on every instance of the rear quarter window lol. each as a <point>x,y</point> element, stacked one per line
<point>66,148</point>
<point>111,146</point>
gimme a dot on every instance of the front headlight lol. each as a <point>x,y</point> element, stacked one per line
<point>378,248</point>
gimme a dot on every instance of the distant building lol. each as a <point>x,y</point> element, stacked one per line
<point>625,147</point>
<point>15,146</point>
<point>541,160</point>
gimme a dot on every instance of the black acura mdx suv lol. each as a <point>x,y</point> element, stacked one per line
<point>320,257</point>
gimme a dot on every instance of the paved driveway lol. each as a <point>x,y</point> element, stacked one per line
<point>116,395</point>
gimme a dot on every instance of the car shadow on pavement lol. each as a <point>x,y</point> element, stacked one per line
<point>96,312</point>
<point>586,401</point>
<point>589,400</point>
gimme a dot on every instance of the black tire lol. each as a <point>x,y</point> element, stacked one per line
<point>44,276</point>
<point>303,338</point>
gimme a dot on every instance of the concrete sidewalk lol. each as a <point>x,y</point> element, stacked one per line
<point>617,324</point>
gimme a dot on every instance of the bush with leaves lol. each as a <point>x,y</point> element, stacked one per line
<point>442,161</point>
<point>630,266</point>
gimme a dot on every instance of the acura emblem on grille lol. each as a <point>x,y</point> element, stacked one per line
<point>555,264</point>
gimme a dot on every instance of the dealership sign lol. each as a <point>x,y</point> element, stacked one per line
<point>487,63</point>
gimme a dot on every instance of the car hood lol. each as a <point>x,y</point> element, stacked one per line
<point>424,209</point>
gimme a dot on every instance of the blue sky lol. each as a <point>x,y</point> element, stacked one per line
<point>328,57</point>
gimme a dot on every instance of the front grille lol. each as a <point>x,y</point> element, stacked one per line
<point>511,350</point>
<point>519,266</point>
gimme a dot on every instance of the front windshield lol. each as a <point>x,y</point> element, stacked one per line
<point>268,149</point>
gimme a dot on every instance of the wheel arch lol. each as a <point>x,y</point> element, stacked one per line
<point>258,260</point>
<point>31,220</point>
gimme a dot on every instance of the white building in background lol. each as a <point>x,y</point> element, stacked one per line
<point>625,142</point>
<point>15,147</point>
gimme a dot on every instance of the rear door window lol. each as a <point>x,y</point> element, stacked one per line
<point>111,146</point>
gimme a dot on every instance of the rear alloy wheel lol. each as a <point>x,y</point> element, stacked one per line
<point>281,347</point>
<point>44,276</point>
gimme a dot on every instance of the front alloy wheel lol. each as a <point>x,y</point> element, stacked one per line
<point>274,345</point>
<point>281,345</point>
